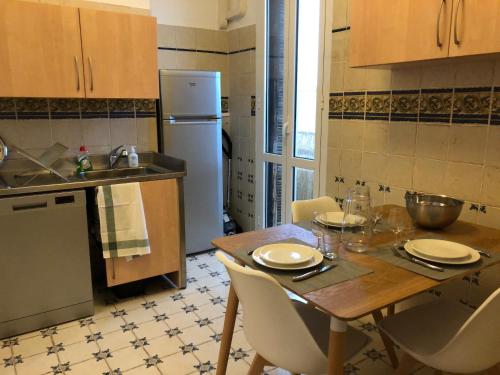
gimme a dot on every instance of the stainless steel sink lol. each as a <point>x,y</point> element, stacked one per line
<point>119,173</point>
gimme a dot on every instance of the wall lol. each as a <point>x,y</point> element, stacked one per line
<point>432,128</point>
<point>188,13</point>
<point>36,124</point>
<point>250,17</point>
<point>233,54</point>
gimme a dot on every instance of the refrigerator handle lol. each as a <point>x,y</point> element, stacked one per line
<point>187,117</point>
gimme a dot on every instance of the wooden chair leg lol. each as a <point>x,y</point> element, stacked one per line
<point>257,366</point>
<point>389,346</point>
<point>406,365</point>
<point>227,331</point>
<point>391,309</point>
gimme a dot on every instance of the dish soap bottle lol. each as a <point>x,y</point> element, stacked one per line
<point>83,162</point>
<point>133,158</point>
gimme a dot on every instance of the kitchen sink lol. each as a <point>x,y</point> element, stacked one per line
<point>119,173</point>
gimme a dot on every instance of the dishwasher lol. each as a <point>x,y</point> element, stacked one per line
<point>45,276</point>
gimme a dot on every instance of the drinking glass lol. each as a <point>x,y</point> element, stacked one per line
<point>357,226</point>
<point>400,224</point>
<point>317,230</point>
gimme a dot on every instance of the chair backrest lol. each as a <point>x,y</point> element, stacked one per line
<point>476,345</point>
<point>271,324</point>
<point>303,210</point>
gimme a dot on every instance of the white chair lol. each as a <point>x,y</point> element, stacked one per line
<point>303,210</point>
<point>293,338</point>
<point>448,336</point>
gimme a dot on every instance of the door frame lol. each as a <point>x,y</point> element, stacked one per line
<point>287,160</point>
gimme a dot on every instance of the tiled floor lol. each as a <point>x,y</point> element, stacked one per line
<point>165,331</point>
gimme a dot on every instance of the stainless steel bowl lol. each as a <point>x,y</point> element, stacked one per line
<point>433,211</point>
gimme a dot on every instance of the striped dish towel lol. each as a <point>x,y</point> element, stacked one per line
<point>122,221</point>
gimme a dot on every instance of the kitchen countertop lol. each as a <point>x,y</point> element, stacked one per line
<point>160,167</point>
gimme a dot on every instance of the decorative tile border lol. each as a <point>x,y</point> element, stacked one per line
<point>206,51</point>
<point>32,108</point>
<point>36,108</point>
<point>224,104</point>
<point>459,105</point>
<point>354,105</point>
<point>340,29</point>
<point>64,108</point>
<point>7,109</point>
<point>435,105</point>
<point>404,105</point>
<point>335,105</point>
<point>145,108</point>
<point>378,105</point>
<point>471,105</point>
<point>495,107</point>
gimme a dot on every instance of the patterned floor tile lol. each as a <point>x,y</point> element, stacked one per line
<point>207,351</point>
<point>78,352</point>
<point>196,334</point>
<point>171,306</point>
<point>140,314</point>
<point>143,370</point>
<point>72,334</point>
<point>151,329</point>
<point>182,320</point>
<point>107,325</point>
<point>164,345</point>
<point>32,346</point>
<point>130,303</point>
<point>37,364</point>
<point>127,358</point>
<point>88,367</point>
<point>114,340</point>
<point>182,363</point>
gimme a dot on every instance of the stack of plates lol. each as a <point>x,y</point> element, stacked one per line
<point>441,251</point>
<point>287,256</point>
<point>336,219</point>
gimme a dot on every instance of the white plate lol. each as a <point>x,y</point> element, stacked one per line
<point>473,257</point>
<point>286,254</point>
<point>336,218</point>
<point>440,249</point>
<point>317,259</point>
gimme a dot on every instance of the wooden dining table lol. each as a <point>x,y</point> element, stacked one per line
<point>387,285</point>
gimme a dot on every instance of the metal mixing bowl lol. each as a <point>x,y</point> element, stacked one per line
<point>433,211</point>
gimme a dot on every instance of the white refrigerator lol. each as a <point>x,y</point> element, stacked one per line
<point>191,130</point>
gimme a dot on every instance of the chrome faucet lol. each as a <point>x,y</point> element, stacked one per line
<point>116,154</point>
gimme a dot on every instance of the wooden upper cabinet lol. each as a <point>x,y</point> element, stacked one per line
<point>40,50</point>
<point>120,54</point>
<point>476,27</point>
<point>388,31</point>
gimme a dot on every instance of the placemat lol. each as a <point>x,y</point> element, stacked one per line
<point>344,271</point>
<point>384,252</point>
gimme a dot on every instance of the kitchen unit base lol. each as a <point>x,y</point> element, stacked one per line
<point>46,319</point>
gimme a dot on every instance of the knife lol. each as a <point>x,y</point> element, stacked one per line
<point>314,272</point>
<point>405,255</point>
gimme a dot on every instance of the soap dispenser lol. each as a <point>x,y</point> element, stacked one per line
<point>133,158</point>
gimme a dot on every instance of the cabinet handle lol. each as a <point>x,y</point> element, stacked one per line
<point>91,74</point>
<point>438,27</point>
<point>77,70</point>
<point>455,29</point>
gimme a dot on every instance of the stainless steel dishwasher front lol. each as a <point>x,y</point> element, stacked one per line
<point>44,261</point>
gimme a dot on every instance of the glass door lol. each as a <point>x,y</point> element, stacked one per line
<point>290,54</point>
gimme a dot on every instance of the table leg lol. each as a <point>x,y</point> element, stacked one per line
<point>336,346</point>
<point>391,310</point>
<point>227,331</point>
<point>389,346</point>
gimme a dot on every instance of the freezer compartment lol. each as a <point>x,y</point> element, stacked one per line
<point>199,143</point>
<point>190,94</point>
<point>44,261</point>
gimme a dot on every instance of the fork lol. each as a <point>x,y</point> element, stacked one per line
<point>396,252</point>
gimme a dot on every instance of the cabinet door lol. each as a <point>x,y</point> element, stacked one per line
<point>476,27</point>
<point>161,209</point>
<point>120,54</point>
<point>388,31</point>
<point>40,50</point>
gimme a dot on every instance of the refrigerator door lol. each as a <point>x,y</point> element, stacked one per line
<point>190,94</point>
<point>200,144</point>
